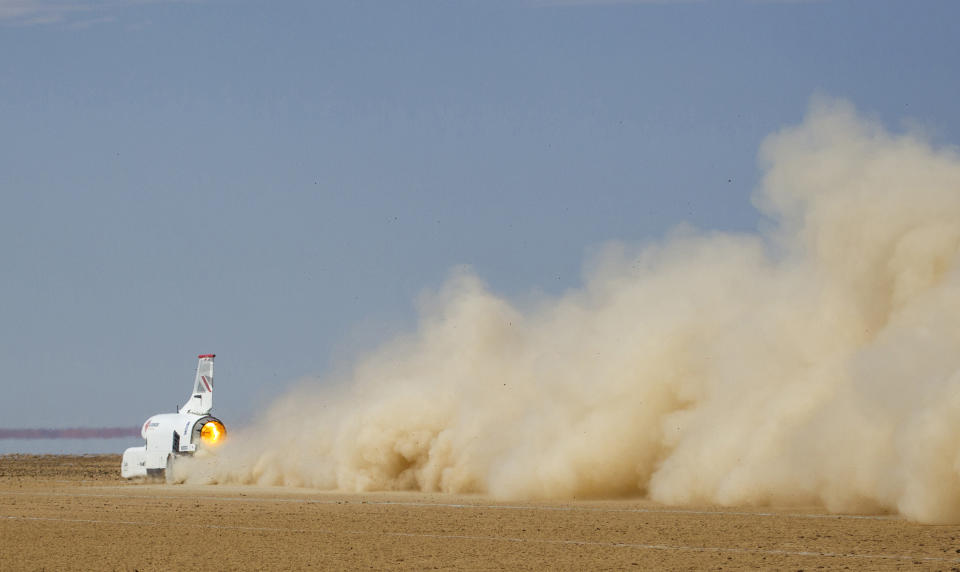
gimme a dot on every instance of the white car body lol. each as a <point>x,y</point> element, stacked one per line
<point>169,435</point>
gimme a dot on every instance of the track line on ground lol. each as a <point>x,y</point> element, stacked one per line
<point>664,547</point>
<point>678,511</point>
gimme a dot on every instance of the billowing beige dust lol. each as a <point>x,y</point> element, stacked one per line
<point>816,363</point>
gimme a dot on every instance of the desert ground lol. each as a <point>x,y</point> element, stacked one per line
<point>75,513</point>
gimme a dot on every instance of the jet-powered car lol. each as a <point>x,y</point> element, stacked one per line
<point>169,435</point>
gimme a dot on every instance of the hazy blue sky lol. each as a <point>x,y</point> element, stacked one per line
<point>276,182</point>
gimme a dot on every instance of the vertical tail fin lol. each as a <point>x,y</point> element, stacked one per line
<point>201,400</point>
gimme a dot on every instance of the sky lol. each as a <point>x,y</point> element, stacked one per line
<point>280,182</point>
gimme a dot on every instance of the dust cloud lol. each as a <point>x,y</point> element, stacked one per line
<point>816,362</point>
